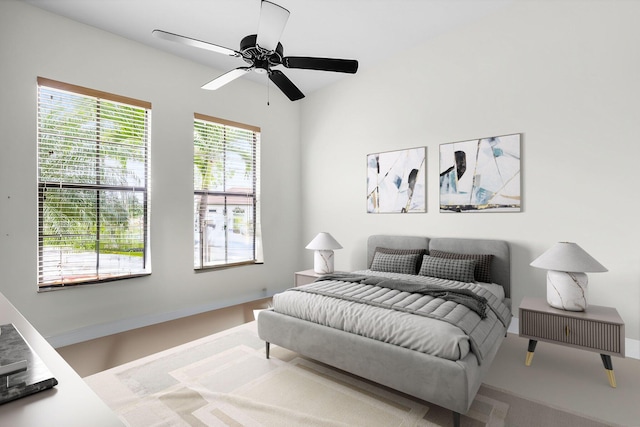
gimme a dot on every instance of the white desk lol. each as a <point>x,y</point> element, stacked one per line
<point>71,403</point>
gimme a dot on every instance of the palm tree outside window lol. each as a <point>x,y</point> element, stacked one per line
<point>93,176</point>
<point>226,193</point>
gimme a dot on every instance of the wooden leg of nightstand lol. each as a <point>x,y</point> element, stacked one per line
<point>612,378</point>
<point>530,350</point>
<point>608,366</point>
<point>529,358</point>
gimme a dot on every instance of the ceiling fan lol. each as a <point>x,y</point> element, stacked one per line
<point>263,51</point>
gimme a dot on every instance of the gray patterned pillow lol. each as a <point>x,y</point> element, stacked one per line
<point>395,263</point>
<point>403,252</point>
<point>460,270</point>
<point>482,271</point>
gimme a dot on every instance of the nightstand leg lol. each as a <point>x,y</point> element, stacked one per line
<point>608,365</point>
<point>530,350</point>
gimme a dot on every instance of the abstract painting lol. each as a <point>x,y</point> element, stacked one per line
<point>481,175</point>
<point>396,181</point>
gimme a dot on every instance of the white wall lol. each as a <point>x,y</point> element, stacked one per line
<point>36,43</point>
<point>564,74</point>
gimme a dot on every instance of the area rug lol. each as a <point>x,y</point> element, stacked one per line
<point>225,380</point>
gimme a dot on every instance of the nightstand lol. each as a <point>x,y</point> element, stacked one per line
<point>598,329</point>
<point>305,277</point>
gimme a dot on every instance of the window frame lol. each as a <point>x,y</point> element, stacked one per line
<point>140,191</point>
<point>199,263</point>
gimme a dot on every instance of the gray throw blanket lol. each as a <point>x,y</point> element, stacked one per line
<point>466,297</point>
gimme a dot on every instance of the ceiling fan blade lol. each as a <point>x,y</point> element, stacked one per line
<point>194,43</point>
<point>285,85</point>
<point>322,64</point>
<point>227,77</point>
<point>273,18</point>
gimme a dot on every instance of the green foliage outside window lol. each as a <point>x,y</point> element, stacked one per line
<point>92,181</point>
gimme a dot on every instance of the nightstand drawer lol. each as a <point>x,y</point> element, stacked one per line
<point>588,334</point>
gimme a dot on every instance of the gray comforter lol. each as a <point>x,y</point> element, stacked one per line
<point>482,332</point>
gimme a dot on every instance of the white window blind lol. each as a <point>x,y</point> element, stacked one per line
<point>93,176</point>
<point>226,193</point>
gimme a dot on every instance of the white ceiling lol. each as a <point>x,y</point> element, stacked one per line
<point>370,31</point>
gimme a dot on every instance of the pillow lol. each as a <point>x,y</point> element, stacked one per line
<point>402,252</point>
<point>460,270</point>
<point>482,271</point>
<point>395,263</point>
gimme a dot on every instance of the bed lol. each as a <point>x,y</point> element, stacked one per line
<point>434,346</point>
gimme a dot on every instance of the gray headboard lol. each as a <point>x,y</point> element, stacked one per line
<point>500,266</point>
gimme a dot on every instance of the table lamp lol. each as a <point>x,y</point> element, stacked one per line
<point>567,264</point>
<point>323,244</point>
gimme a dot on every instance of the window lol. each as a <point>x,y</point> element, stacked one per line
<point>93,175</point>
<point>225,193</point>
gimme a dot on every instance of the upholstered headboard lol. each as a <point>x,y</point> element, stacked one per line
<point>500,265</point>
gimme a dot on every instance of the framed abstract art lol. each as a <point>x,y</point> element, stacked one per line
<point>396,181</point>
<point>481,175</point>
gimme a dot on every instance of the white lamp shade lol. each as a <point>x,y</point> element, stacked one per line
<point>569,257</point>
<point>323,241</point>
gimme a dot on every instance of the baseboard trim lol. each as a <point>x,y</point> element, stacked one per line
<point>102,330</point>
<point>631,346</point>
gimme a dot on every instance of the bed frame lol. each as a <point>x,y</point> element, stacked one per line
<point>450,384</point>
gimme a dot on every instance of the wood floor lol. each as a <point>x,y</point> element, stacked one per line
<point>100,354</point>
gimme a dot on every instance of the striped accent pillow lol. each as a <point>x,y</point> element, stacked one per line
<point>460,270</point>
<point>395,263</point>
<point>482,271</point>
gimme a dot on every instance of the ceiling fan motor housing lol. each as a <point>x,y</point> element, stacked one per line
<point>261,58</point>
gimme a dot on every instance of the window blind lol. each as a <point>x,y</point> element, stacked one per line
<point>226,190</point>
<point>93,175</point>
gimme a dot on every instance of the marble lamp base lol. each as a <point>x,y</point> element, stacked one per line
<point>323,261</point>
<point>567,291</point>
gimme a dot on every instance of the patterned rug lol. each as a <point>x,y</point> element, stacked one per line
<point>225,380</point>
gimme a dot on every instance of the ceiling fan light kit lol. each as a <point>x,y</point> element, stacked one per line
<point>263,51</point>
